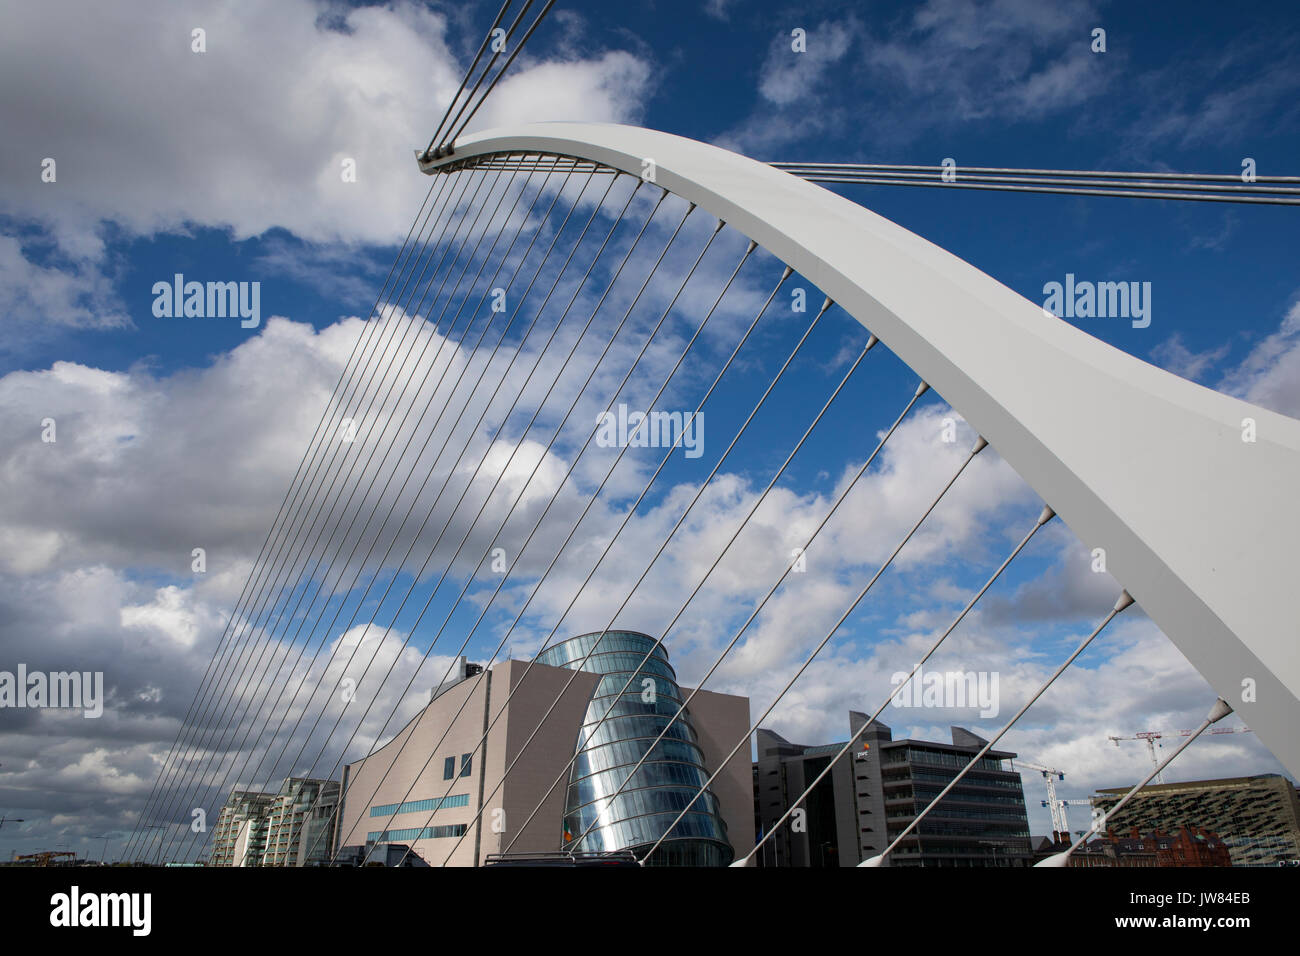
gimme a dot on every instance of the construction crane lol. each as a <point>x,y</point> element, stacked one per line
<point>1054,806</point>
<point>1151,736</point>
<point>1070,803</point>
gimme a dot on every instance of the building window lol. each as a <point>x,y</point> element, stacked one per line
<point>414,806</point>
<point>449,768</point>
<point>466,763</point>
<point>416,833</point>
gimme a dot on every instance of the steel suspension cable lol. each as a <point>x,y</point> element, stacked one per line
<point>749,250</point>
<point>650,338</point>
<point>1218,711</point>
<point>433,550</point>
<point>432,396</point>
<point>393,475</point>
<point>685,704</point>
<point>1121,603</point>
<point>1144,186</point>
<point>296,487</point>
<point>444,149</point>
<point>1200,192</point>
<point>595,311</point>
<point>478,469</point>
<point>491,600</point>
<point>979,446</point>
<point>1044,517</point>
<point>618,695</point>
<point>645,283</point>
<point>468,73</point>
<point>286,569</point>
<point>497,79</point>
<point>1106,174</point>
<point>618,533</point>
<point>432,432</point>
<point>308,451</point>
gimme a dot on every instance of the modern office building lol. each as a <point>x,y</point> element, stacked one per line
<point>1258,817</point>
<point>616,734</point>
<point>288,828</point>
<point>299,823</point>
<point>431,786</point>
<point>828,832</point>
<point>876,790</point>
<point>239,838</point>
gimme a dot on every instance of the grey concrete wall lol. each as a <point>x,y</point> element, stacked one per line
<point>720,720</point>
<point>544,758</point>
<point>484,698</point>
<point>403,764</point>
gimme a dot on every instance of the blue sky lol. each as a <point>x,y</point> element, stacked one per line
<point>223,166</point>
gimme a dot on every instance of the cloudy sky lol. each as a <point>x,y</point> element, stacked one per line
<point>177,433</point>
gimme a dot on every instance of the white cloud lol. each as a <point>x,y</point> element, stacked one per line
<point>251,134</point>
<point>149,137</point>
<point>74,293</point>
<point>140,469</point>
<point>788,76</point>
<point>1270,374</point>
<point>147,467</point>
<point>1174,356</point>
<point>943,63</point>
<point>205,461</point>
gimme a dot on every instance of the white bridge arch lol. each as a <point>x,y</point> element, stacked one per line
<point>1198,525</point>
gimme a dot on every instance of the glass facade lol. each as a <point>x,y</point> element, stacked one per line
<point>608,750</point>
<point>414,806</point>
<point>981,822</point>
<point>416,833</point>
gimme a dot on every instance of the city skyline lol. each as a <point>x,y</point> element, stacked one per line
<point>125,542</point>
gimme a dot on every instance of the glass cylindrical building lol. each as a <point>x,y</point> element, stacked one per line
<point>607,751</point>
